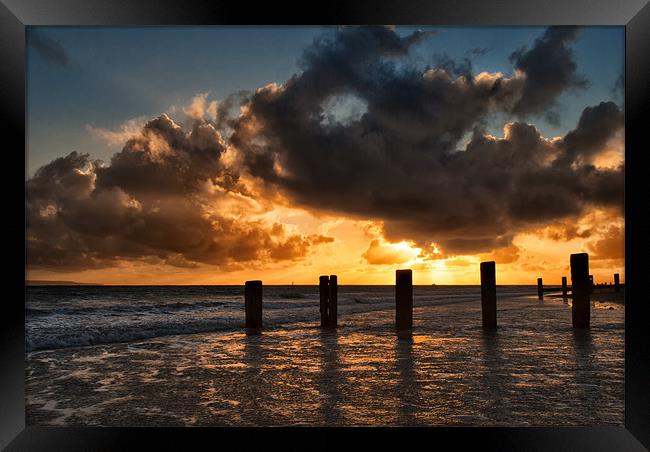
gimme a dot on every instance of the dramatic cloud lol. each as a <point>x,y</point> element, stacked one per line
<point>596,126</point>
<point>49,49</point>
<point>567,230</point>
<point>360,133</point>
<point>506,255</point>
<point>165,197</point>
<point>399,161</point>
<point>200,107</point>
<point>549,69</point>
<point>127,130</point>
<point>611,246</point>
<point>381,253</point>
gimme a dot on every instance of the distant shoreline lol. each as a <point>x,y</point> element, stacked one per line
<point>59,283</point>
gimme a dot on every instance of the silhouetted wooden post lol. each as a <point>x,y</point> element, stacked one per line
<point>564,288</point>
<point>580,288</point>
<point>617,283</point>
<point>323,283</point>
<point>253,303</point>
<point>333,302</point>
<point>404,299</point>
<point>540,289</point>
<point>591,283</point>
<point>489,294</point>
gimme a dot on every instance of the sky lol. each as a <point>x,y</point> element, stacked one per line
<point>213,155</point>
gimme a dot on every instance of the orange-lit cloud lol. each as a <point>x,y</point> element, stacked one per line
<point>127,130</point>
<point>506,255</point>
<point>610,246</point>
<point>381,252</point>
<point>165,198</point>
<point>200,108</point>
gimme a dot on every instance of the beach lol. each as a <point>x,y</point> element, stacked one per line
<point>135,356</point>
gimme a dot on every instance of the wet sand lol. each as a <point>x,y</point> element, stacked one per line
<point>533,370</point>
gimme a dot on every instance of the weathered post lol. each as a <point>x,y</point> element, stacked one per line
<point>253,304</point>
<point>540,289</point>
<point>333,302</point>
<point>404,299</point>
<point>564,288</point>
<point>617,283</point>
<point>489,294</point>
<point>323,283</point>
<point>591,283</point>
<point>580,288</point>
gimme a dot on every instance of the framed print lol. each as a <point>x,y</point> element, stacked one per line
<point>353,221</point>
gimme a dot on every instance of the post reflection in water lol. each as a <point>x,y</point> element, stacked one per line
<point>252,403</point>
<point>493,380</point>
<point>407,389</point>
<point>329,377</point>
<point>585,396</point>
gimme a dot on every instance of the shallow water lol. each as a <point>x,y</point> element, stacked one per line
<point>534,370</point>
<point>61,317</point>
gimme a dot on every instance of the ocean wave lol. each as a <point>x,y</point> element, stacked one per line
<point>55,327</point>
<point>98,336</point>
<point>138,307</point>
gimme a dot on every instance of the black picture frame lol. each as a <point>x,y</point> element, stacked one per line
<point>15,15</point>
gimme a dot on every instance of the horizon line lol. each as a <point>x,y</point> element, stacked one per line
<point>74,284</point>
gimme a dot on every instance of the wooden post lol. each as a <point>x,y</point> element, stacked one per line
<point>333,302</point>
<point>564,288</point>
<point>253,304</point>
<point>404,299</point>
<point>540,289</point>
<point>489,294</point>
<point>617,283</point>
<point>591,283</point>
<point>580,288</point>
<point>323,283</point>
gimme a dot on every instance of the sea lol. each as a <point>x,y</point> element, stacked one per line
<point>180,356</point>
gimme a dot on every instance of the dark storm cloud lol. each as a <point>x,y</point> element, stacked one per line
<point>399,162</point>
<point>550,69</point>
<point>152,203</point>
<point>596,125</point>
<point>453,67</point>
<point>49,49</point>
<point>164,159</point>
<point>458,68</point>
<point>228,109</point>
<point>167,196</point>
